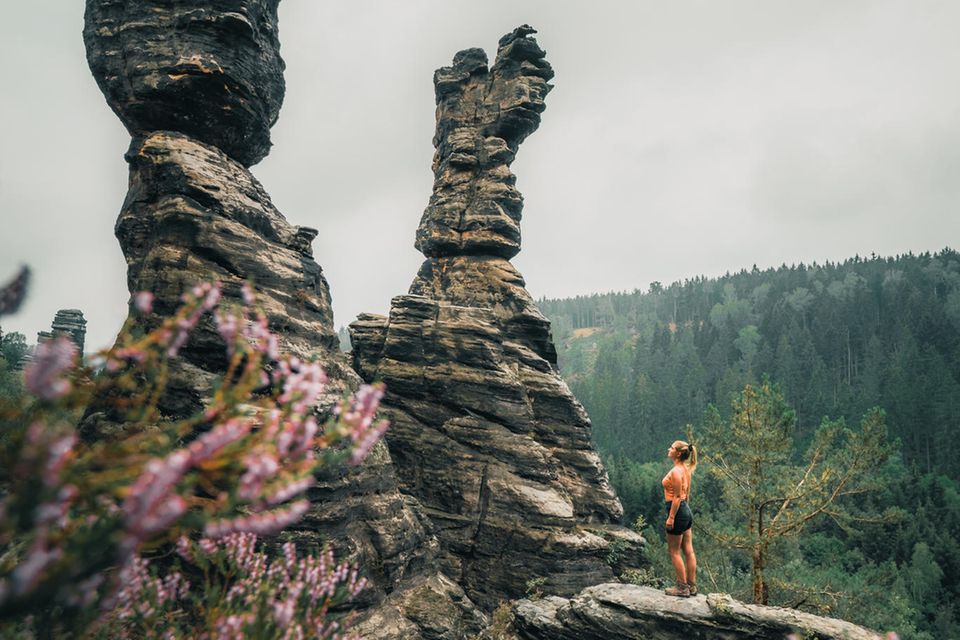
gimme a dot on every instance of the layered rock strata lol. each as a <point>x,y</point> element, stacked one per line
<point>486,434</point>
<point>629,612</point>
<point>70,323</point>
<point>211,70</point>
<point>198,85</point>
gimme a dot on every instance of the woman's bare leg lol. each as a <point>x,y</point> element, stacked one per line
<point>673,546</point>
<point>689,556</point>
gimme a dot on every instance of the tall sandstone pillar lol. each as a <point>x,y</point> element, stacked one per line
<point>198,84</point>
<point>486,434</point>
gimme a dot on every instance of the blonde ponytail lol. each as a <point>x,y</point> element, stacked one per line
<point>688,456</point>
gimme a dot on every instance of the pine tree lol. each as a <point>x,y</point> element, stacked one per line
<point>772,497</point>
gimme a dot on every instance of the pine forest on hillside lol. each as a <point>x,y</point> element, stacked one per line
<point>836,339</point>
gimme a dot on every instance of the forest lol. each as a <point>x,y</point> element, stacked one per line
<point>836,342</point>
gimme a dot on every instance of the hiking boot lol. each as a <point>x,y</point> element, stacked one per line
<point>692,588</point>
<point>680,591</point>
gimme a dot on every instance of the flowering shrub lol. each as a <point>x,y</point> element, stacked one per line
<point>72,512</point>
<point>250,594</point>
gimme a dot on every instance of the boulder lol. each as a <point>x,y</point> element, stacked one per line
<point>629,612</point>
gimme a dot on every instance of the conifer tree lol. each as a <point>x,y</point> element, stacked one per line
<point>771,494</point>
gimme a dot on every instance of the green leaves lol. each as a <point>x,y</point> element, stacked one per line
<point>773,491</point>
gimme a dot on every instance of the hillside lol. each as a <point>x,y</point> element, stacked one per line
<point>837,339</point>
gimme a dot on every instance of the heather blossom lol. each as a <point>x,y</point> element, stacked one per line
<point>44,376</point>
<point>357,418</point>
<point>143,302</point>
<point>14,292</point>
<point>287,596</point>
<point>237,470</point>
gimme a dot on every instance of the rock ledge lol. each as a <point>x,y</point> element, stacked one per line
<point>627,611</point>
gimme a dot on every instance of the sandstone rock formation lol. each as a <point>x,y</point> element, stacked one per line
<point>485,433</point>
<point>629,612</point>
<point>211,70</point>
<point>70,323</point>
<point>198,85</point>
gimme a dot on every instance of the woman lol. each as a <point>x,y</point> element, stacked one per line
<point>676,491</point>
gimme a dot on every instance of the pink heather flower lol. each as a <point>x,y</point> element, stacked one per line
<point>231,627</point>
<point>296,436</point>
<point>142,595</point>
<point>143,302</point>
<point>241,547</point>
<point>302,386</point>
<point>43,376</point>
<point>228,325</point>
<point>212,298</point>
<point>286,492</point>
<point>207,445</point>
<point>183,548</point>
<point>28,573</point>
<point>262,524</point>
<point>367,440</point>
<point>258,334</point>
<point>249,297</point>
<point>56,512</point>
<point>290,556</point>
<point>120,357</point>
<point>261,466</point>
<point>207,545</point>
<point>150,506</point>
<point>59,452</point>
<point>283,612</point>
<point>892,636</point>
<point>184,327</point>
<point>358,420</point>
<point>13,293</point>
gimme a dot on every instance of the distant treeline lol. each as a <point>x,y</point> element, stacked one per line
<point>838,337</point>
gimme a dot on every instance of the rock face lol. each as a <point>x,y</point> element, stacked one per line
<point>629,612</point>
<point>211,70</point>
<point>483,114</point>
<point>198,85</point>
<point>70,323</point>
<point>485,433</point>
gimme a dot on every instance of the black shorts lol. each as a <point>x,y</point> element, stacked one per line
<point>683,519</point>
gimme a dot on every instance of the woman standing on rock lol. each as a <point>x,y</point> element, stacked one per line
<point>676,490</point>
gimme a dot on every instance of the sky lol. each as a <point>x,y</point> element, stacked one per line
<point>681,139</point>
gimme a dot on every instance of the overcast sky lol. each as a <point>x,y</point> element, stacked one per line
<point>682,138</point>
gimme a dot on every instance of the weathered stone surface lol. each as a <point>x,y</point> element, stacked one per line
<point>198,84</point>
<point>483,114</point>
<point>485,432</point>
<point>629,612</point>
<point>209,69</point>
<point>70,323</point>
<point>433,608</point>
<point>193,213</point>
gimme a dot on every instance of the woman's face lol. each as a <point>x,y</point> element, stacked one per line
<point>672,451</point>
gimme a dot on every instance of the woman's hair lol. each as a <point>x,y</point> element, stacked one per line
<point>687,454</point>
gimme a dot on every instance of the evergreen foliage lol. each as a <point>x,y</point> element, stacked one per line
<point>837,339</point>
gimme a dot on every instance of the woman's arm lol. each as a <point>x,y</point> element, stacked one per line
<point>675,487</point>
